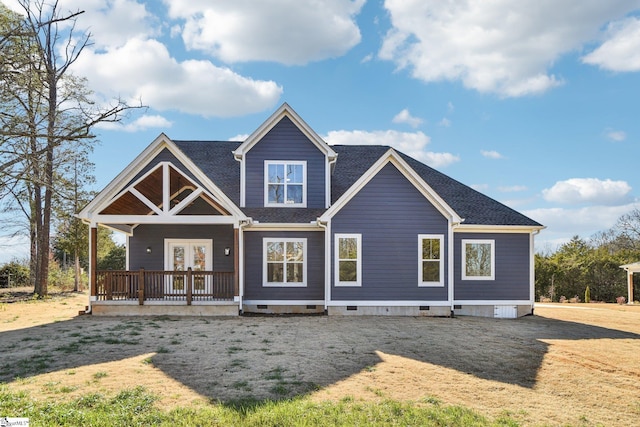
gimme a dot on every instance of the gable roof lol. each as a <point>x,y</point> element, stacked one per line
<point>390,156</point>
<point>474,207</point>
<point>130,175</point>
<point>284,111</point>
<point>215,160</point>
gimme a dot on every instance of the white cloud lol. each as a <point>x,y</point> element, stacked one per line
<point>405,116</point>
<point>562,224</point>
<point>588,190</point>
<point>144,70</point>
<point>412,144</point>
<point>141,123</point>
<point>445,122</point>
<point>291,32</point>
<point>616,135</point>
<point>240,138</point>
<point>621,50</point>
<point>501,46</point>
<point>450,107</point>
<point>491,154</point>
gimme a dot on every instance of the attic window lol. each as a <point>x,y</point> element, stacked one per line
<point>285,183</point>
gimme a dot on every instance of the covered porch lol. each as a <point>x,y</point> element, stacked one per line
<point>182,240</point>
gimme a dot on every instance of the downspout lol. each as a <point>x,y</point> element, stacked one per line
<point>327,262</point>
<point>241,225</point>
<point>532,268</point>
<point>451,266</point>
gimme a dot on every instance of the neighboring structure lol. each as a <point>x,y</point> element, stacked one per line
<point>284,223</point>
<point>630,269</point>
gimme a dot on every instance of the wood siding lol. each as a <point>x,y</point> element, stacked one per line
<point>512,269</point>
<point>165,156</point>
<point>253,249</point>
<point>285,142</point>
<point>389,213</point>
<point>153,235</point>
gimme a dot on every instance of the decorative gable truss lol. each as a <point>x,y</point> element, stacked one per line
<point>162,195</point>
<point>164,192</point>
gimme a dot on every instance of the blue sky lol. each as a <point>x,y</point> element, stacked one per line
<point>534,103</point>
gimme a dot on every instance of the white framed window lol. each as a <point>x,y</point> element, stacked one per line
<point>478,259</point>
<point>285,183</point>
<point>285,262</point>
<point>430,260</point>
<point>348,259</point>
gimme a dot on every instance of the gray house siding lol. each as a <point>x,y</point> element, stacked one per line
<point>153,235</point>
<point>512,269</point>
<point>253,249</point>
<point>389,213</point>
<point>285,142</point>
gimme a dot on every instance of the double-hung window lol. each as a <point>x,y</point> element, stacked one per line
<point>431,260</point>
<point>285,183</point>
<point>478,259</point>
<point>285,262</point>
<point>348,260</point>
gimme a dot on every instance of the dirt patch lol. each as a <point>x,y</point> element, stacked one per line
<point>574,364</point>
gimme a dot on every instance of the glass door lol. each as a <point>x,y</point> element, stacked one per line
<point>185,254</point>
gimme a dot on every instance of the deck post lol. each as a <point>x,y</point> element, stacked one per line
<point>141,287</point>
<point>630,290</point>
<point>189,286</point>
<point>236,262</point>
<point>93,260</point>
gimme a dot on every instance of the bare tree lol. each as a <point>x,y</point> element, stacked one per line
<point>46,108</point>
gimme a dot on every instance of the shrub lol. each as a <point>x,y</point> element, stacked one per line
<point>14,273</point>
<point>587,295</point>
<point>621,300</point>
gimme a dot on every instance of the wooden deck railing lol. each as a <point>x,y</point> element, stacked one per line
<point>185,286</point>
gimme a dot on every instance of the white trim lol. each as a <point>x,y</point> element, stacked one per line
<point>158,219</point>
<point>187,259</point>
<point>388,303</point>
<point>243,181</point>
<point>463,265</point>
<point>282,302</point>
<point>440,282</point>
<point>115,187</point>
<point>532,269</point>
<point>391,156</point>
<point>477,228</point>
<point>492,302</point>
<point>144,200</point>
<point>336,259</point>
<point>284,111</point>
<point>266,183</point>
<point>166,187</point>
<point>254,226</point>
<point>450,264</point>
<point>187,200</point>
<point>285,284</point>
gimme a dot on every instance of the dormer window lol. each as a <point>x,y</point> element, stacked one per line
<point>285,183</point>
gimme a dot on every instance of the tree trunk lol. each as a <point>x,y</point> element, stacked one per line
<point>77,284</point>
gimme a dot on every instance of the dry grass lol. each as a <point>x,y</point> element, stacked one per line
<point>575,364</point>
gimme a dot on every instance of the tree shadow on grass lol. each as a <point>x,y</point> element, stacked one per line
<point>246,359</point>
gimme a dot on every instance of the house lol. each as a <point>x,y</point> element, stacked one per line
<point>285,223</point>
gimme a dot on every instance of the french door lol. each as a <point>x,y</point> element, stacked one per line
<point>180,255</point>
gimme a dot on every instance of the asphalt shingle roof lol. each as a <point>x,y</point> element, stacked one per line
<point>216,160</point>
